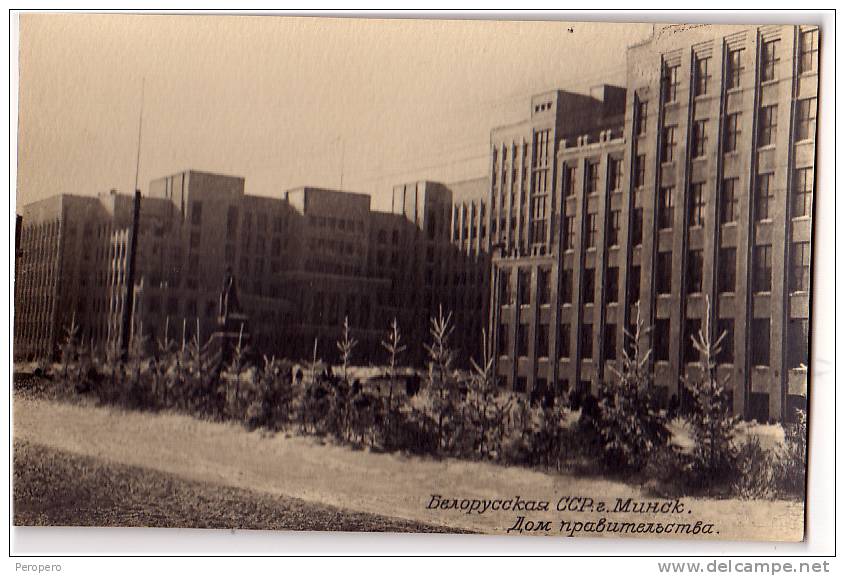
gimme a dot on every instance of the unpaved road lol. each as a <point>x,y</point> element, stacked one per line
<point>385,484</point>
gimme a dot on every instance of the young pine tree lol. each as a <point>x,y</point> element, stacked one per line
<point>346,346</point>
<point>489,407</point>
<point>442,385</point>
<point>632,425</point>
<point>711,419</point>
<point>394,347</point>
<point>69,348</point>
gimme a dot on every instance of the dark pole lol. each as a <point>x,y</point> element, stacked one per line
<point>128,309</point>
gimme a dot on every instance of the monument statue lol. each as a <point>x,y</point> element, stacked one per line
<point>228,298</point>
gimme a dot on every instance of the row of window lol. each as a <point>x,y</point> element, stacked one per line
<point>591,177</point>
<point>798,280</point>
<point>770,51</point>
<point>797,338</point>
<point>262,219</point>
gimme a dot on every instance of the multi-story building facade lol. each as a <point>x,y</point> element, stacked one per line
<point>327,280</point>
<point>194,229</point>
<point>528,231</point>
<point>302,264</point>
<point>701,201</point>
<point>61,273</point>
<point>432,247</point>
<point>683,198</point>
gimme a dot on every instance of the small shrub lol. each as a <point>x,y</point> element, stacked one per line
<point>669,472</point>
<point>753,474</point>
<point>790,461</point>
<point>269,399</point>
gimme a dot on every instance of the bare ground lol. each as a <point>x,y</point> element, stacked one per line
<point>391,485</point>
<point>55,488</point>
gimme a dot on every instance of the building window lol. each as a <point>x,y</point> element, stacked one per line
<point>798,343</point>
<point>610,341</point>
<point>522,340</point>
<point>633,285</point>
<point>592,230</point>
<point>769,60</point>
<point>667,150</point>
<point>732,131</point>
<point>665,208</point>
<point>642,118</point>
<point>507,288</point>
<point>727,270</point>
<point>569,180</point>
<point>661,340</point>
<point>730,201</point>
<point>586,341</point>
<point>699,139</point>
<point>768,126</point>
<point>664,272</point>
<point>564,341</point>
<point>760,328</point>
<point>612,284</point>
<point>763,268</point>
<point>566,287</point>
<point>524,279</point>
<point>693,327</point>
<point>504,349</point>
<point>613,229</point>
<point>615,174</point>
<point>592,177</point>
<point>544,285</point>
<point>569,232</point>
<point>702,75</point>
<point>802,204</point>
<point>542,150</point>
<point>800,269</point>
<point>809,51</point>
<point>765,196</point>
<point>589,285</point>
<point>695,271</point>
<point>726,347</point>
<point>637,224</point>
<point>805,119</point>
<point>639,171</point>
<point>696,204</point>
<point>671,82</point>
<point>543,341</point>
<point>734,68</point>
<point>521,384</point>
<point>538,220</point>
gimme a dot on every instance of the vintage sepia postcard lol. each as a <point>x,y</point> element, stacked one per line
<point>414,275</point>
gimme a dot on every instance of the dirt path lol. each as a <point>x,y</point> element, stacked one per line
<point>385,484</point>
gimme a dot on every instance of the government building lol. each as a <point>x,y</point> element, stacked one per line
<point>688,189</point>
<point>687,192</point>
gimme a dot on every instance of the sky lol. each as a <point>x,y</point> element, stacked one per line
<point>361,104</point>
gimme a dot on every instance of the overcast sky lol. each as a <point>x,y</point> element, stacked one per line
<point>285,102</point>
